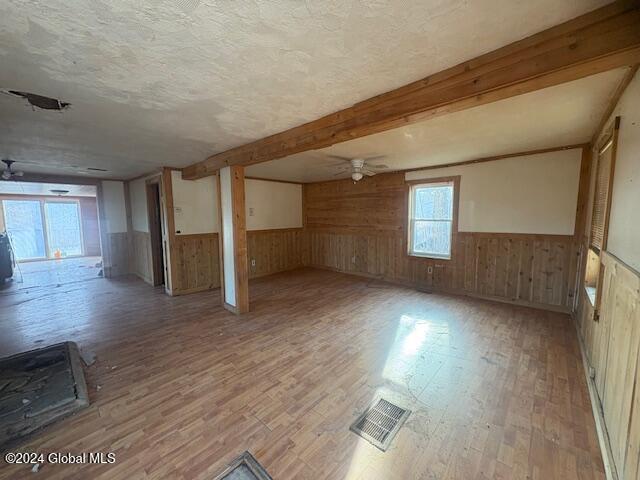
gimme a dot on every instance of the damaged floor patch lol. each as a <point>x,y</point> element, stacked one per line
<point>37,388</point>
<point>245,467</point>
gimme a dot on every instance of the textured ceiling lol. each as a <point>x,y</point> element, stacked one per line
<point>561,115</point>
<point>32,188</point>
<point>162,82</point>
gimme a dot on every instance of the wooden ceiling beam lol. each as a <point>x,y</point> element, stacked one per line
<point>601,40</point>
<point>613,102</point>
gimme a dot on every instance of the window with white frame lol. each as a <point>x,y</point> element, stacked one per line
<point>431,217</point>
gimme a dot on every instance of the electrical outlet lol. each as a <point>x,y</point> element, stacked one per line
<point>251,211</point>
<point>353,259</point>
<point>253,262</point>
<point>429,269</point>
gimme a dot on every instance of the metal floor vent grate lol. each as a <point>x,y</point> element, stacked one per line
<point>380,423</point>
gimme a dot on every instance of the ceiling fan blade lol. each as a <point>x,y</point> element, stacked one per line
<point>367,172</point>
<point>378,167</point>
<point>375,157</point>
<point>338,157</point>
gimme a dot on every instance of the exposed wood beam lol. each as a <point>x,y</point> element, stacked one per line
<point>613,102</point>
<point>273,180</point>
<point>601,40</point>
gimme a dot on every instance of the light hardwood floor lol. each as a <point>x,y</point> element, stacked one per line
<point>496,391</point>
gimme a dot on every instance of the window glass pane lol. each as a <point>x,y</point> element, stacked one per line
<point>432,238</point>
<point>63,229</point>
<point>434,203</point>
<point>23,222</point>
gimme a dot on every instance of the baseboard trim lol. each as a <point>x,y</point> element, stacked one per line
<point>598,415</point>
<point>204,288</point>
<point>464,293</point>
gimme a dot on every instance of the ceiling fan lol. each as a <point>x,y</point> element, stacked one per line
<point>7,173</point>
<point>360,167</point>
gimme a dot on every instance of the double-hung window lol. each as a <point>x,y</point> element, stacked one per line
<point>432,208</point>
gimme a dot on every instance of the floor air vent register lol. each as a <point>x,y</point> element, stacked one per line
<point>380,423</point>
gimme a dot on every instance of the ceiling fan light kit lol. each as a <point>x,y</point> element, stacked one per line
<point>359,167</point>
<point>7,173</point>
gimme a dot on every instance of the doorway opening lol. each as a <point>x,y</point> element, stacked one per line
<point>51,233</point>
<point>155,230</point>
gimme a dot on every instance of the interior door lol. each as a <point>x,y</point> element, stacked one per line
<point>64,233</point>
<point>23,221</point>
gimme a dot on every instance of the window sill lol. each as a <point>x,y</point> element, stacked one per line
<point>426,255</point>
<point>591,295</point>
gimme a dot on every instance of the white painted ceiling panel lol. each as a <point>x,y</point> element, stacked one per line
<point>167,83</point>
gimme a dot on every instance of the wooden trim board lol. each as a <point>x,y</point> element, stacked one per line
<point>598,414</point>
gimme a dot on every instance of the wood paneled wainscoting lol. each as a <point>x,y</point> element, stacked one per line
<point>361,229</point>
<point>611,345</point>
<point>140,255</point>
<point>198,259</point>
<point>198,265</point>
<point>275,250</point>
<point>116,259</point>
<point>536,270</point>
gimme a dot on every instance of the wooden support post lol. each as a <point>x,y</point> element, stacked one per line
<point>234,273</point>
<point>169,240</point>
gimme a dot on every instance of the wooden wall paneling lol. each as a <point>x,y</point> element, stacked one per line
<point>197,263</point>
<point>502,267</point>
<point>600,348</point>
<point>274,251</point>
<point>529,269</point>
<point>140,255</point>
<point>621,309</point>
<point>632,460</point>
<point>513,276</point>
<point>119,255</point>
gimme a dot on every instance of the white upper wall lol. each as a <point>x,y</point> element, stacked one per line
<point>115,211</point>
<point>138,202</point>
<point>269,205</point>
<point>272,205</point>
<point>528,194</point>
<point>624,227</point>
<point>195,204</point>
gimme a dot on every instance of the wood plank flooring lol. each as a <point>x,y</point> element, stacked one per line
<point>180,386</point>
